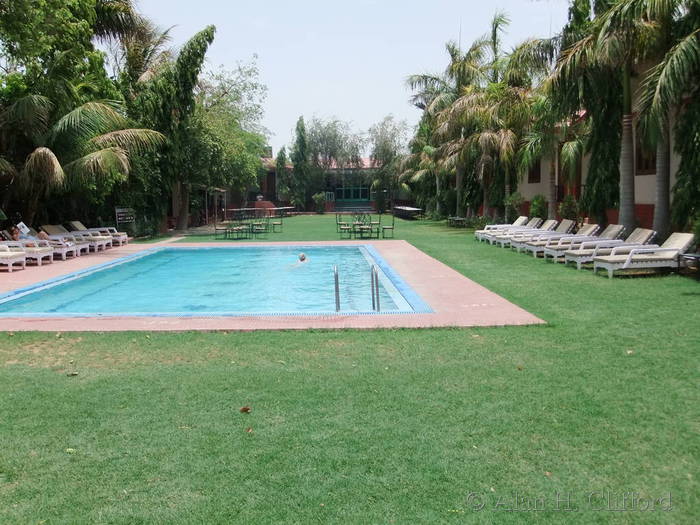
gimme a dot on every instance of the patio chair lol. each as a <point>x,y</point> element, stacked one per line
<point>537,243</point>
<point>388,228</point>
<point>120,238</point>
<point>648,257</point>
<point>587,250</point>
<point>35,250</point>
<point>9,256</point>
<point>520,221</point>
<point>504,238</point>
<point>277,222</point>
<point>260,227</point>
<point>339,222</point>
<point>239,230</point>
<point>557,248</point>
<point>486,235</point>
<point>564,228</point>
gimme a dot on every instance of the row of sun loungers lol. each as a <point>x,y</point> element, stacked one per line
<point>61,243</point>
<point>606,250</point>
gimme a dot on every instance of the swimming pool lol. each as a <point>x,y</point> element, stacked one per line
<point>225,281</point>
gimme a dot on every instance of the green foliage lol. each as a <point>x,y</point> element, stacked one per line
<point>300,182</point>
<point>320,201</point>
<point>513,202</point>
<point>568,208</point>
<point>538,206</point>
<point>686,191</point>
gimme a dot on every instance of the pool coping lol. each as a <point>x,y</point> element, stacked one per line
<point>454,299</point>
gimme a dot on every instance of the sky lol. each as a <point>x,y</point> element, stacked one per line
<point>345,59</point>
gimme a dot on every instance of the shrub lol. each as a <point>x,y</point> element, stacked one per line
<point>696,229</point>
<point>513,203</point>
<point>568,209</point>
<point>478,222</point>
<point>320,201</point>
<point>538,206</point>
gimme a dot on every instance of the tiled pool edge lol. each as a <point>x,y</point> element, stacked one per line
<point>412,298</point>
<point>456,300</point>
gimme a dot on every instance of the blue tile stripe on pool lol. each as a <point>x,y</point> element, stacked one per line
<point>411,297</point>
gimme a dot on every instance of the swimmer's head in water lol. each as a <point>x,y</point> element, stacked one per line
<point>302,257</point>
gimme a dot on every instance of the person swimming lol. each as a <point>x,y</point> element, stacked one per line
<point>302,257</point>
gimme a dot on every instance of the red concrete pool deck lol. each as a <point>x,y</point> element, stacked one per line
<point>455,299</point>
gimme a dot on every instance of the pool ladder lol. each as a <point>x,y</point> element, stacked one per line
<point>374,288</point>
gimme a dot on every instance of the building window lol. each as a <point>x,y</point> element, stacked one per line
<point>534,176</point>
<point>645,161</point>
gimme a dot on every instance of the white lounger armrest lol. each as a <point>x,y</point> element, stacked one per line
<point>636,251</point>
<point>571,238</point>
<point>632,247</point>
<point>602,244</point>
<point>38,243</point>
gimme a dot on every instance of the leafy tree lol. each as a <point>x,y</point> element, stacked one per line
<point>167,104</point>
<point>299,187</point>
<point>388,140</point>
<point>283,172</point>
<point>90,142</point>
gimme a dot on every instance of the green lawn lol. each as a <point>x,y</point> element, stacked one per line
<point>382,426</point>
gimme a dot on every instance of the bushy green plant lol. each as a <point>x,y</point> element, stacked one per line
<point>538,206</point>
<point>513,202</point>
<point>477,222</point>
<point>696,229</point>
<point>568,208</point>
<point>320,201</point>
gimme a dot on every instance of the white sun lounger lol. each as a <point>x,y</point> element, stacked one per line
<point>557,248</point>
<point>95,240</point>
<point>120,238</point>
<point>505,238</point>
<point>537,243</point>
<point>665,256</point>
<point>520,221</point>
<point>9,256</point>
<point>520,239</point>
<point>533,223</point>
<point>36,250</point>
<point>587,250</point>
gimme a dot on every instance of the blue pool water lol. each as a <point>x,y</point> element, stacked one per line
<point>221,281</point>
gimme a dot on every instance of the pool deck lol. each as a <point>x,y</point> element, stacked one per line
<point>455,299</point>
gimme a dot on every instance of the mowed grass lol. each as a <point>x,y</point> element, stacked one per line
<point>382,426</point>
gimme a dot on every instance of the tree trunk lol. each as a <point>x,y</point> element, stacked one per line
<point>662,203</point>
<point>627,218</point>
<point>484,212</point>
<point>552,189</point>
<point>183,213</point>
<point>438,208</point>
<point>458,188</point>
<point>506,211</point>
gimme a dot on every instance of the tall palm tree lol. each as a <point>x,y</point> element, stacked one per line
<point>436,93</point>
<point>675,48</point>
<point>581,82</point>
<point>49,152</point>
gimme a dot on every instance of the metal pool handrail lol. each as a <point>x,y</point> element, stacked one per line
<point>374,278</point>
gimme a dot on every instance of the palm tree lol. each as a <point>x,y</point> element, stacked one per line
<point>48,153</point>
<point>582,83</point>
<point>676,47</point>
<point>436,93</point>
